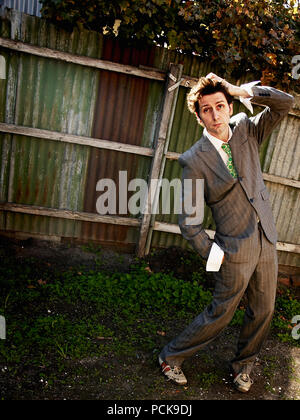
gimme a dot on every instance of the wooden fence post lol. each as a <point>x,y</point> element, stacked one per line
<point>168,110</point>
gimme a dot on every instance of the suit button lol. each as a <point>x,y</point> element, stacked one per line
<point>240,178</point>
<point>251,200</point>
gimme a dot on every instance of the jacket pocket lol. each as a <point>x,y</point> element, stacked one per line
<point>265,194</point>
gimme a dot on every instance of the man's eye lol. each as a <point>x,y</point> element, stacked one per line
<point>205,110</point>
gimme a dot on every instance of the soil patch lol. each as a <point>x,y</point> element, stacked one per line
<point>136,376</point>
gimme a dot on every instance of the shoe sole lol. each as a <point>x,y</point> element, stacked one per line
<point>240,388</point>
<point>243,390</point>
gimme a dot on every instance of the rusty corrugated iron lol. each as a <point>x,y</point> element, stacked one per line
<point>119,116</point>
<point>47,94</point>
<point>31,7</point>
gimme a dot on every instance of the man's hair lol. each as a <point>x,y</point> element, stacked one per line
<point>203,87</point>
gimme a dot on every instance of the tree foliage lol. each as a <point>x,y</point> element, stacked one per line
<point>239,36</point>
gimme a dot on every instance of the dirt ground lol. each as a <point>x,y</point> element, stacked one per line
<point>276,373</point>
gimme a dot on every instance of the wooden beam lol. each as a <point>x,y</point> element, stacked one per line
<point>68,214</point>
<point>81,60</point>
<point>172,228</point>
<point>111,145</point>
<point>165,123</point>
<point>71,138</point>
<point>141,71</point>
<point>280,180</point>
<point>114,220</point>
<point>286,247</point>
<point>172,155</point>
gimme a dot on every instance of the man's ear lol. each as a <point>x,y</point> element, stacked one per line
<point>199,119</point>
<point>231,109</point>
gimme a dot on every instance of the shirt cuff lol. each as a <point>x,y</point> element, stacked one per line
<point>215,258</point>
<point>248,88</point>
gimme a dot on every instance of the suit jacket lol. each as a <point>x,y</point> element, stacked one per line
<point>235,203</point>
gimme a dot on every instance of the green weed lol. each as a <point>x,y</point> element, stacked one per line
<point>206,380</point>
<point>56,317</point>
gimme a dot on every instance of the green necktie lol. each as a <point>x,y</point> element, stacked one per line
<point>230,164</point>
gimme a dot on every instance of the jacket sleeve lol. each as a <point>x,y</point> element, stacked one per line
<point>277,104</point>
<point>192,214</point>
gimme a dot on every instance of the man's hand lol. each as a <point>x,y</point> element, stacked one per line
<point>232,89</point>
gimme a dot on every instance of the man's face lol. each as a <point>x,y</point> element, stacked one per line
<point>215,113</point>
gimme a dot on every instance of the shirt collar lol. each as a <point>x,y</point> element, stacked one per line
<point>216,142</point>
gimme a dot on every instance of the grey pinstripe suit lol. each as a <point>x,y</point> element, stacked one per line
<point>250,263</point>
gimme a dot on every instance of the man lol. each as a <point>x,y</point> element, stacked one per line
<point>243,252</point>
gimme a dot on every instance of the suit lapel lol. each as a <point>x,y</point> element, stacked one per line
<point>214,160</point>
<point>237,144</point>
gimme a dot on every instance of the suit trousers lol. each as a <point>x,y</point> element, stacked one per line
<point>252,270</point>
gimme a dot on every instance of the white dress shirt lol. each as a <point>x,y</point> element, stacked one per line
<point>216,254</point>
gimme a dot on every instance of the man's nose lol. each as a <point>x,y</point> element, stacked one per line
<point>215,114</point>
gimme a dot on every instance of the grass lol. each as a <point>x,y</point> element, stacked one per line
<point>57,318</point>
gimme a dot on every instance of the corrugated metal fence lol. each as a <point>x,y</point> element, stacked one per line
<point>76,108</point>
<point>31,7</point>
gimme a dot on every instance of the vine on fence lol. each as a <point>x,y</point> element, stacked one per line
<point>239,36</point>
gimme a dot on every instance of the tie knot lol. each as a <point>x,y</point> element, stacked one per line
<point>226,148</point>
